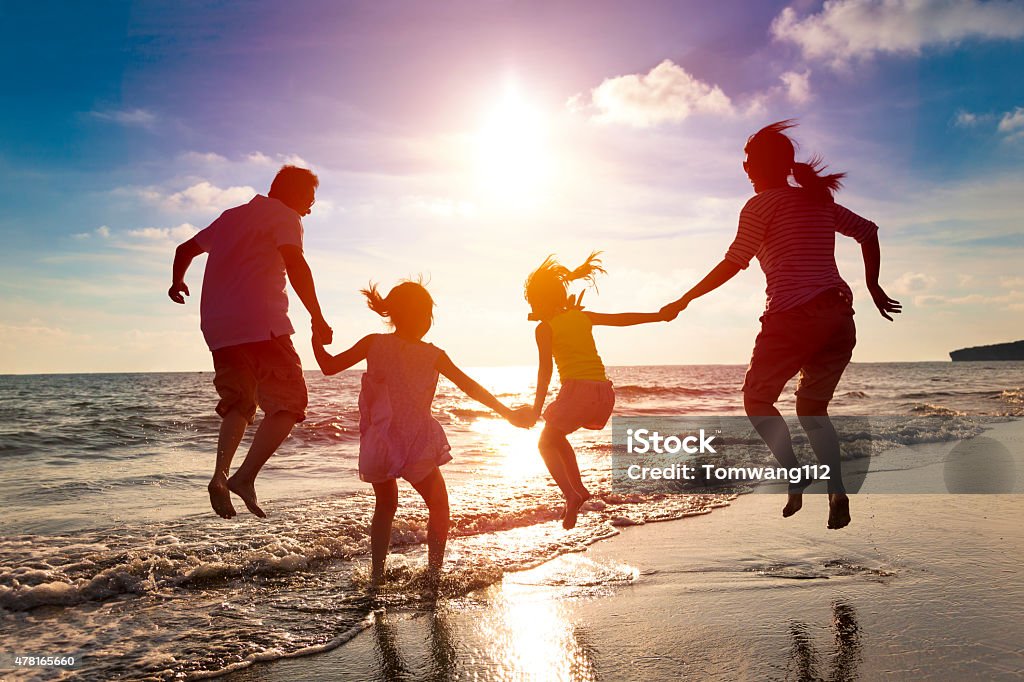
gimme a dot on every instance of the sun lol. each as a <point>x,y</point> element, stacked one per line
<point>513,151</point>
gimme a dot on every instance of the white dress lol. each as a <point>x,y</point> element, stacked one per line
<point>399,436</point>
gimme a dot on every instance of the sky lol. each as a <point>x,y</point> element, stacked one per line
<point>465,141</point>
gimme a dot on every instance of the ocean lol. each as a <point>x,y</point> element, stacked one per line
<point>109,551</point>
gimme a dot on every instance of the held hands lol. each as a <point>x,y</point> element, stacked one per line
<point>884,304</point>
<point>176,291</point>
<point>523,417</point>
<point>323,335</point>
<point>670,311</point>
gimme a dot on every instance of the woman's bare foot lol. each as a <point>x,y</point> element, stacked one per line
<point>220,496</point>
<point>572,509</point>
<point>793,505</point>
<point>247,491</point>
<point>838,511</point>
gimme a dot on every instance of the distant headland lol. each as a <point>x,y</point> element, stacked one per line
<point>998,351</point>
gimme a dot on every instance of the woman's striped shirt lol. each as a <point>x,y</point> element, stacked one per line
<point>793,238</point>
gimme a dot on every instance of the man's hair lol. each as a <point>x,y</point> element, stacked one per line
<point>291,182</point>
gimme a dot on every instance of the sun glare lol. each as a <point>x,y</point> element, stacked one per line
<point>513,155</point>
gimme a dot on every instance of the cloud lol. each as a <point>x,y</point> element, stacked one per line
<point>1012,300</point>
<point>798,86</point>
<point>968,119</point>
<point>177,234</point>
<point>847,29</point>
<point>203,157</point>
<point>207,197</point>
<point>126,117</point>
<point>913,283</point>
<point>1012,123</point>
<point>261,159</point>
<point>667,93</point>
<point>203,197</point>
<point>101,231</point>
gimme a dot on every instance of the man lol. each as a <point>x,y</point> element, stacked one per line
<point>244,318</point>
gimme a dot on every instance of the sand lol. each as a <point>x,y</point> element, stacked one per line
<point>918,586</point>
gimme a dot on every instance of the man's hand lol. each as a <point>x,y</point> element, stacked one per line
<point>884,304</point>
<point>176,291</point>
<point>322,332</point>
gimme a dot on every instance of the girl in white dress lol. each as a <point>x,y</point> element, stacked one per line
<point>398,435</point>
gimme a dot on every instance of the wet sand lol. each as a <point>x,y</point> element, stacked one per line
<point>918,586</point>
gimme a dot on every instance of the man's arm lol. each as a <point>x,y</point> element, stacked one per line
<point>872,264</point>
<point>718,276</point>
<point>183,257</point>
<point>301,279</point>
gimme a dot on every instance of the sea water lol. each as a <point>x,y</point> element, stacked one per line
<point>109,552</point>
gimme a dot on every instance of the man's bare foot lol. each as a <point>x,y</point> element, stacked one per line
<point>793,505</point>
<point>572,509</point>
<point>838,511</point>
<point>247,491</point>
<point>220,496</point>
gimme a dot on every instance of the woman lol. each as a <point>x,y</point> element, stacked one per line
<point>807,326</point>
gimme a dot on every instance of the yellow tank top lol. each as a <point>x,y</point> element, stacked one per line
<point>572,346</point>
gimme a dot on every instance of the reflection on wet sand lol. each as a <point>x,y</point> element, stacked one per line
<point>846,654</point>
<point>517,632</point>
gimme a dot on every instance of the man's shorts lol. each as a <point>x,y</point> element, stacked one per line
<point>581,404</point>
<point>815,339</point>
<point>267,374</point>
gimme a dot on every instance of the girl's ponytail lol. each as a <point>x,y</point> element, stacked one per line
<point>548,285</point>
<point>407,306</point>
<point>374,301</point>
<point>590,268</point>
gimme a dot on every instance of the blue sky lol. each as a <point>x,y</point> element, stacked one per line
<point>465,141</point>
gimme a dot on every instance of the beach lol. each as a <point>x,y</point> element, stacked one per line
<point>917,587</point>
<point>110,553</point>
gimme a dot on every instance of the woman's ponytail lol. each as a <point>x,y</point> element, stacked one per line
<point>810,176</point>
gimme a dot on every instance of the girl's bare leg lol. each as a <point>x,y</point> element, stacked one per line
<point>560,459</point>
<point>434,492</point>
<point>380,528</point>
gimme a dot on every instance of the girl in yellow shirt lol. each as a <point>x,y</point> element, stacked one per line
<point>586,398</point>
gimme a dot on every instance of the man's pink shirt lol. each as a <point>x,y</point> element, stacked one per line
<point>244,298</point>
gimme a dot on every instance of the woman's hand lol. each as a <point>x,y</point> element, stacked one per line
<point>884,304</point>
<point>670,311</point>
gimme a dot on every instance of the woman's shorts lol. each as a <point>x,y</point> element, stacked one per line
<point>581,404</point>
<point>815,339</point>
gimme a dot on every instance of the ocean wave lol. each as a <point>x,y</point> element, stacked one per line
<point>107,565</point>
<point>629,391</point>
<point>1012,396</point>
<point>855,395</point>
<point>935,410</point>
